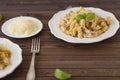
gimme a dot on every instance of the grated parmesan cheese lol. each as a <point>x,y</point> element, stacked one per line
<point>22,26</point>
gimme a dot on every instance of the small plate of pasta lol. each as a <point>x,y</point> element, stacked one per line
<point>83,25</point>
<point>10,57</point>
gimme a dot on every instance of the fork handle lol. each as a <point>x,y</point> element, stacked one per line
<point>31,71</point>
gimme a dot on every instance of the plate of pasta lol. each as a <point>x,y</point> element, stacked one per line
<point>83,25</point>
<point>10,57</point>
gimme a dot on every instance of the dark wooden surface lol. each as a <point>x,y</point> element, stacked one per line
<point>99,61</point>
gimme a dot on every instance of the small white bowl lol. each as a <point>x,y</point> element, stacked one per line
<point>5,25</point>
<point>54,27</point>
<point>16,56</point>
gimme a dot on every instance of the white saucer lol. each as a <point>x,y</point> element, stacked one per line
<point>5,25</point>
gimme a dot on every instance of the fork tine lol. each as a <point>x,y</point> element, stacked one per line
<point>35,46</point>
<point>32,45</point>
<point>38,45</point>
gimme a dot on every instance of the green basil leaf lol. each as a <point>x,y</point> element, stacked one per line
<point>1,17</point>
<point>61,75</point>
<point>80,16</point>
<point>90,16</point>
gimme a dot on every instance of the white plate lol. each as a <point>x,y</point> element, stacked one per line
<point>5,25</point>
<point>54,27</point>
<point>16,56</point>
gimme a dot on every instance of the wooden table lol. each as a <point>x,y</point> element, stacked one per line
<point>99,61</point>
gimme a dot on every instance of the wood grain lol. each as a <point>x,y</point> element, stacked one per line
<point>99,61</point>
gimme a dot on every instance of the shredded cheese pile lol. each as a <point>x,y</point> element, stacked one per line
<point>22,26</point>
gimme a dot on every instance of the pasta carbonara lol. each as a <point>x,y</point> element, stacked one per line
<point>84,24</point>
<point>4,57</point>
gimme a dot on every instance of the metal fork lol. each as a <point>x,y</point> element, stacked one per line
<point>35,48</point>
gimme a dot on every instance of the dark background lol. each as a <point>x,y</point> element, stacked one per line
<point>98,61</point>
